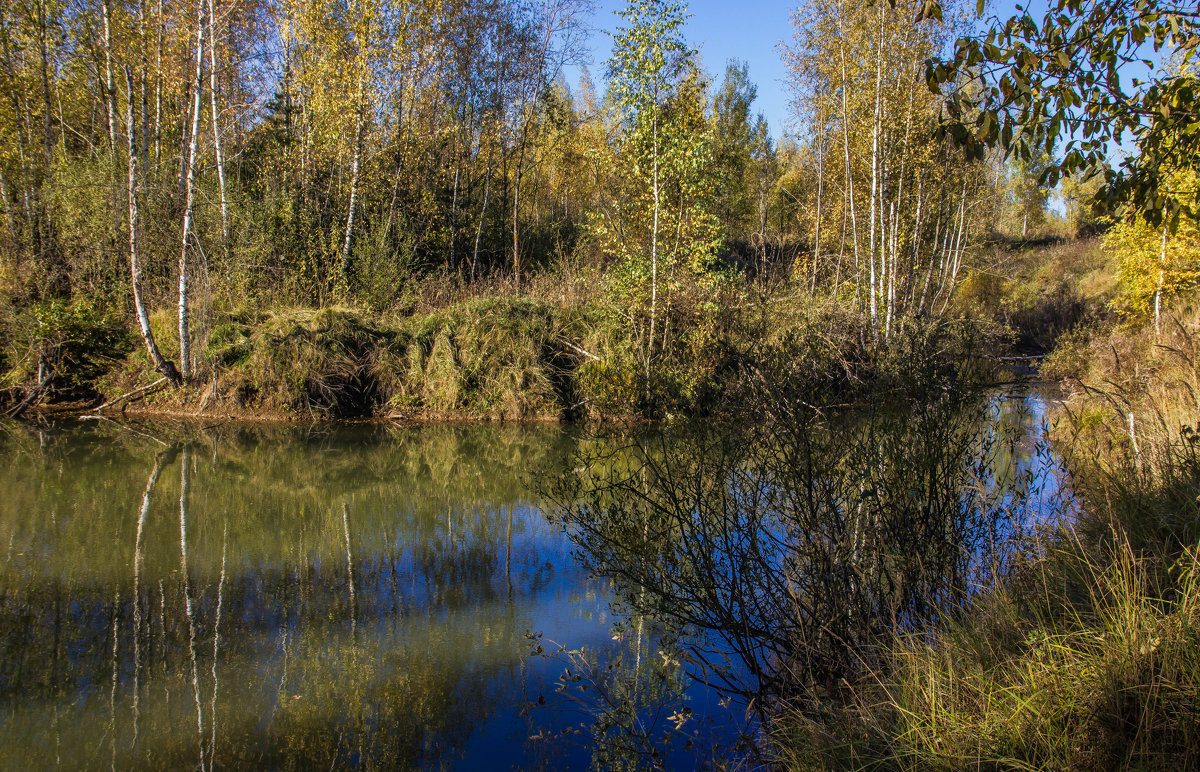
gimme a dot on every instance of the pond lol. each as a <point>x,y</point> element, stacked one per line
<point>176,595</point>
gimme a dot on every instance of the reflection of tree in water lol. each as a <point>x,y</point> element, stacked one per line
<point>789,546</point>
<point>268,618</point>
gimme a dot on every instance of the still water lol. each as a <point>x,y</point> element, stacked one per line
<point>288,598</point>
<point>177,596</point>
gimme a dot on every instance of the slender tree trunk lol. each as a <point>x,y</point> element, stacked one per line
<point>26,168</point>
<point>916,243</point>
<point>875,187</point>
<point>487,188</point>
<point>896,215</point>
<point>27,191</point>
<point>8,215</point>
<point>1162,277</point>
<point>185,347</point>
<point>516,245</point>
<point>158,81</point>
<point>44,50</point>
<point>344,269</point>
<point>890,262</point>
<point>956,249</point>
<point>162,365</point>
<point>837,272</point>
<point>849,177</point>
<point>653,266</point>
<point>143,75</point>
<point>28,194</point>
<point>820,210</point>
<point>110,95</point>
<point>451,263</point>
<point>937,232</point>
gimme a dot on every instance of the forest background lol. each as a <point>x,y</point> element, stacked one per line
<point>366,208</point>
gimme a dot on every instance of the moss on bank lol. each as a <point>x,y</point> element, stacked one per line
<point>486,358</point>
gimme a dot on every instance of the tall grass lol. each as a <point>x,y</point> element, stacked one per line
<point>1088,655</point>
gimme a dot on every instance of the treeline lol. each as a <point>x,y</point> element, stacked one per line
<point>307,149</point>
<point>317,152</point>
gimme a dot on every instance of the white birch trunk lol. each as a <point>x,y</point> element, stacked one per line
<point>820,197</point>
<point>158,87</point>
<point>875,191</point>
<point>1162,277</point>
<point>185,344</point>
<point>653,265</point>
<point>135,266</point>
<point>849,176</point>
<point>110,90</point>
<point>354,167</point>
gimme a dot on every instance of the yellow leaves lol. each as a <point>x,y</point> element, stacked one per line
<point>1150,264</point>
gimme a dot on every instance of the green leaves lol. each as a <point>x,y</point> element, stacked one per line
<point>1059,83</point>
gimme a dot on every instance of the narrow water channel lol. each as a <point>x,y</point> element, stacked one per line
<point>332,596</point>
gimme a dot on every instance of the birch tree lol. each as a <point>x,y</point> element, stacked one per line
<point>161,364</point>
<point>666,213</point>
<point>185,340</point>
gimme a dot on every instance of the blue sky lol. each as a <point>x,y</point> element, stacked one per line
<point>752,31</point>
<point>749,30</point>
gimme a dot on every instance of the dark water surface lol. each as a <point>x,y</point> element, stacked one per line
<point>328,597</point>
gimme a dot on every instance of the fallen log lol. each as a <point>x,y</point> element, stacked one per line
<point>579,350</point>
<point>33,396</point>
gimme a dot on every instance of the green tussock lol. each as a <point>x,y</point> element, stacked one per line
<point>482,357</point>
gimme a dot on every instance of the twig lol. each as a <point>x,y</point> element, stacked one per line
<point>579,350</point>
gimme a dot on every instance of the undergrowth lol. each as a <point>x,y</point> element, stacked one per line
<point>562,348</point>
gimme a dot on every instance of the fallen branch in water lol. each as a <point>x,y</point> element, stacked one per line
<point>98,417</point>
<point>138,392</point>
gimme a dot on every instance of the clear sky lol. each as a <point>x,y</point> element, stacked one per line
<point>749,30</point>
<point>752,31</point>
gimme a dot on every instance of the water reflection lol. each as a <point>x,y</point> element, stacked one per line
<point>291,599</point>
<point>362,596</point>
<point>784,552</point>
